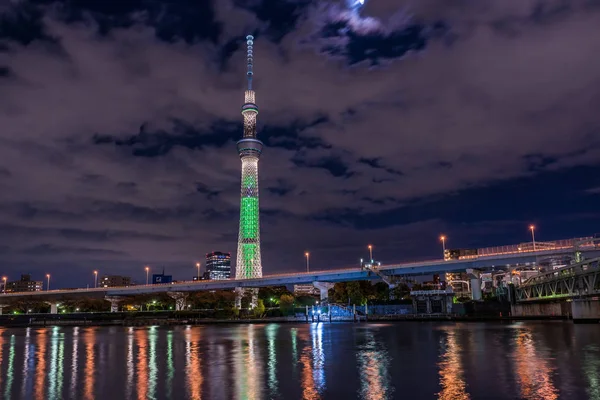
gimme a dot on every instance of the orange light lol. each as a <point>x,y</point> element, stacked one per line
<point>442,238</point>
<point>531,227</point>
<point>370,247</point>
<point>47,276</point>
<point>198,265</point>
<point>96,272</point>
<point>306,254</point>
<point>147,268</point>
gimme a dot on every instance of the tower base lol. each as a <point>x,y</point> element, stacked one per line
<point>240,293</point>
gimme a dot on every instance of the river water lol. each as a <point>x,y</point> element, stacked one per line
<point>410,360</point>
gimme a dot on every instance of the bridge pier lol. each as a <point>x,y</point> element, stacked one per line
<point>180,300</point>
<point>474,276</point>
<point>53,307</point>
<point>1,307</point>
<point>114,302</point>
<point>324,290</point>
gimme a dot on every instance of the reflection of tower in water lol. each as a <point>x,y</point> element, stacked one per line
<point>373,361</point>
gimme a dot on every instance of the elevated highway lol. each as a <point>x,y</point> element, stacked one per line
<point>480,263</point>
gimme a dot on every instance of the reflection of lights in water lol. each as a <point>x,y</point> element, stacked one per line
<point>193,367</point>
<point>90,363</point>
<point>271,337</point>
<point>451,372</point>
<point>253,366</point>
<point>294,333</point>
<point>74,360</point>
<point>373,362</point>
<point>153,335</point>
<point>57,352</point>
<point>591,370</point>
<point>10,371</point>
<point>312,359</point>
<point>318,356</point>
<point>130,369</point>
<point>28,364</point>
<point>40,364</point>
<point>142,365</point>
<point>170,366</point>
<point>53,361</point>
<point>533,373</point>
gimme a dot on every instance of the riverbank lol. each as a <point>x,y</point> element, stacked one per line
<point>188,318</point>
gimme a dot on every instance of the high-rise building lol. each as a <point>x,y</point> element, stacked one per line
<point>25,284</point>
<point>218,265</point>
<point>115,281</point>
<point>248,263</point>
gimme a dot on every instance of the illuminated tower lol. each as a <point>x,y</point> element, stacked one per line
<point>248,263</point>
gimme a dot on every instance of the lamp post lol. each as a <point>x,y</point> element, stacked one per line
<point>443,239</point>
<point>370,252</point>
<point>147,275</point>
<point>4,279</point>
<point>198,266</point>
<point>532,228</point>
<point>95,279</point>
<point>307,255</point>
<point>48,284</point>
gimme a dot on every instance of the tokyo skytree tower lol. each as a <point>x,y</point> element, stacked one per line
<point>249,148</point>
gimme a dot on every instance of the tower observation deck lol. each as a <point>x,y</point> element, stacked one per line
<point>248,263</point>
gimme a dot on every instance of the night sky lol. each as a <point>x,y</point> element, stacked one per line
<point>389,125</point>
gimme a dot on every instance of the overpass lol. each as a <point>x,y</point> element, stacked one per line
<point>498,257</point>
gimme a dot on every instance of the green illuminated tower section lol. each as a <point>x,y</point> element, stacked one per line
<point>249,148</point>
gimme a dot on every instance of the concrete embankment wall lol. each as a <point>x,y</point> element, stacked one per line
<point>541,310</point>
<point>586,310</point>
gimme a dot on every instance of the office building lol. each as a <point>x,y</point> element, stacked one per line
<point>218,266</point>
<point>25,284</point>
<point>115,281</point>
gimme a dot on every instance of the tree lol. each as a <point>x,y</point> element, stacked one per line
<point>259,310</point>
<point>286,304</point>
<point>354,293</point>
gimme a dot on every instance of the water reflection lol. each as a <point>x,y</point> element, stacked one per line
<point>89,339</point>
<point>309,361</point>
<point>153,370</point>
<point>193,367</point>
<point>10,372</point>
<point>142,364</point>
<point>451,371</point>
<point>373,361</point>
<point>533,373</point>
<point>170,365</point>
<point>40,364</point>
<point>312,359</point>
<point>272,363</point>
<point>591,369</point>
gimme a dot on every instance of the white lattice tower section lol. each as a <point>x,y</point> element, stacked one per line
<point>248,263</point>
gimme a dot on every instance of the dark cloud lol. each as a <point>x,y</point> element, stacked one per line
<point>119,122</point>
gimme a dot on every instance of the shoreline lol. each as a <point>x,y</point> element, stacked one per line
<point>37,320</point>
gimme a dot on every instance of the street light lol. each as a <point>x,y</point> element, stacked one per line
<point>307,255</point>
<point>532,228</point>
<point>4,279</point>
<point>95,279</point>
<point>147,275</point>
<point>48,285</point>
<point>198,266</point>
<point>443,239</point>
<point>371,252</point>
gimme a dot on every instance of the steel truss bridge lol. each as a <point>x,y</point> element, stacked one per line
<point>580,280</point>
<point>499,258</point>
